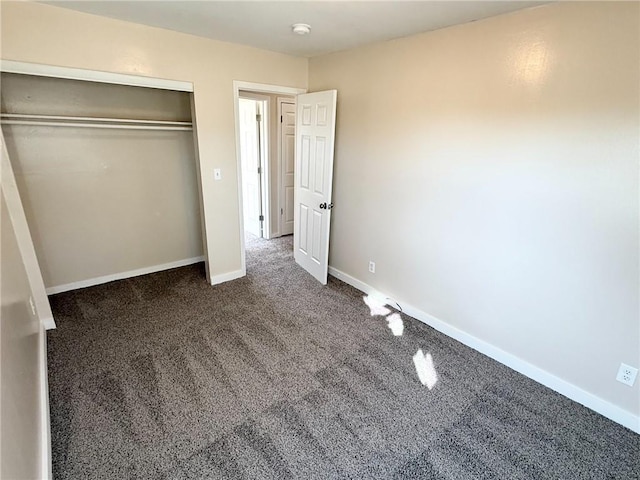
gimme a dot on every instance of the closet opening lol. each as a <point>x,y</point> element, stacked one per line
<point>107,174</point>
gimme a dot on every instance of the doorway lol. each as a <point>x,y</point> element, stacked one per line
<point>253,118</point>
<point>265,152</point>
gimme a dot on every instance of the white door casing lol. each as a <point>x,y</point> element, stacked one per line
<point>238,88</point>
<point>250,160</point>
<point>287,164</point>
<point>315,139</point>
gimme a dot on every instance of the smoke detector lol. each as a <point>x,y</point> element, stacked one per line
<point>301,28</point>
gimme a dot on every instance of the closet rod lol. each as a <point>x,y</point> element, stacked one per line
<point>92,122</point>
<point>95,125</point>
<point>18,116</point>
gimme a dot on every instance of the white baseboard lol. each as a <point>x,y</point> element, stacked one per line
<point>46,471</point>
<point>122,275</point>
<point>226,277</point>
<point>597,404</point>
<point>48,322</point>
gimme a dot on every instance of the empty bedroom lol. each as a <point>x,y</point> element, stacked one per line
<point>320,240</point>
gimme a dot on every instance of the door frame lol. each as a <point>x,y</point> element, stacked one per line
<point>255,88</point>
<point>96,76</point>
<point>265,158</point>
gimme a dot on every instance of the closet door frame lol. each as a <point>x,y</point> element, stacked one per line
<point>69,73</point>
<point>10,66</point>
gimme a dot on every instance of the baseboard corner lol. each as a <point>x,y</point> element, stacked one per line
<point>227,277</point>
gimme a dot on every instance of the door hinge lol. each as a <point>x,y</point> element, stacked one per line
<point>261,218</point>
<point>259,170</point>
<point>280,118</point>
<point>282,211</point>
<point>258,117</point>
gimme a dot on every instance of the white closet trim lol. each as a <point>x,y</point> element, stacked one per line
<point>25,68</point>
<point>40,303</point>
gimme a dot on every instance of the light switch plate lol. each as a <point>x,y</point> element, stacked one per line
<point>217,174</point>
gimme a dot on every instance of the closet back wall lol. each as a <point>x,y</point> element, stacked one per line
<point>101,202</point>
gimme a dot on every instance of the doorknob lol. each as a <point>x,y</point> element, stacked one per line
<point>324,206</point>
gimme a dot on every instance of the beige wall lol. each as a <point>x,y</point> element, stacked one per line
<point>39,33</point>
<point>20,332</point>
<point>491,172</point>
<point>98,200</point>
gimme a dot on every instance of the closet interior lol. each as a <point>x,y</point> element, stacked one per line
<point>107,175</point>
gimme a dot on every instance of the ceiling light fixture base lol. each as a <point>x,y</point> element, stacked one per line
<point>301,28</point>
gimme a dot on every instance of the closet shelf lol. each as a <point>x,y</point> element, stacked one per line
<point>91,122</point>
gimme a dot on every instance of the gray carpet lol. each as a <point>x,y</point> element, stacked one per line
<point>274,376</point>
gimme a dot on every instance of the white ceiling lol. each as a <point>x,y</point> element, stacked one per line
<point>335,25</point>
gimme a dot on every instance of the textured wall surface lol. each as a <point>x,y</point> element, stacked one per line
<point>491,172</point>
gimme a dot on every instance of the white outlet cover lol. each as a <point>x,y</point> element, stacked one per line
<point>627,374</point>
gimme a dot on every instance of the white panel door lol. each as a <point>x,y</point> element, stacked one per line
<point>315,137</point>
<point>287,162</point>
<point>250,160</point>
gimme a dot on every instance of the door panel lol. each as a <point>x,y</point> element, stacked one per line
<point>315,138</point>
<point>305,159</point>
<point>306,114</point>
<point>320,165</point>
<point>288,209</point>
<point>321,118</point>
<point>316,253</point>
<point>304,221</point>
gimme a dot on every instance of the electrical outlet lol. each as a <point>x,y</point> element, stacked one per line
<point>372,267</point>
<point>627,374</point>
